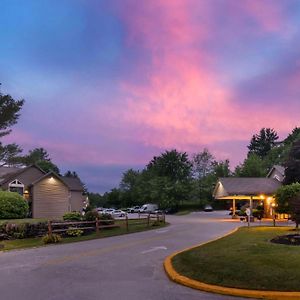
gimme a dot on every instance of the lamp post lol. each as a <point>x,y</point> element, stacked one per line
<point>273,212</point>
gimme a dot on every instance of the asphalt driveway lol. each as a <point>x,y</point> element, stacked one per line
<point>123,267</point>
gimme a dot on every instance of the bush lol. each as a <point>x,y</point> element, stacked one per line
<point>91,215</point>
<point>51,238</point>
<point>12,206</point>
<point>106,217</point>
<point>74,232</point>
<point>72,216</point>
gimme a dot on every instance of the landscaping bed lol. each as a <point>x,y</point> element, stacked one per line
<point>134,226</point>
<point>246,259</point>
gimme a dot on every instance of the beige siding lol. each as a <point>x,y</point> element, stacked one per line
<point>50,198</point>
<point>77,201</point>
<point>27,177</point>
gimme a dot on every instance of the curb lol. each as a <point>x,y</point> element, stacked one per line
<point>198,285</point>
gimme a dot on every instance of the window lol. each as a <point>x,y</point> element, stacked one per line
<point>16,186</point>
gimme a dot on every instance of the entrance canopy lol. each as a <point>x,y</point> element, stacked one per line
<point>245,188</point>
<point>235,188</point>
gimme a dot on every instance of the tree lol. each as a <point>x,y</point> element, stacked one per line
<point>263,142</point>
<point>172,164</point>
<point>221,168</point>
<point>41,158</point>
<point>251,167</point>
<point>9,154</point>
<point>293,136</point>
<point>288,201</point>
<point>202,163</point>
<point>292,171</point>
<point>71,174</point>
<point>9,113</point>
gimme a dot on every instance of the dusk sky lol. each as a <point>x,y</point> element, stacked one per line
<point>109,84</point>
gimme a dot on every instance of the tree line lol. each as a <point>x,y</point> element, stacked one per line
<point>173,179</point>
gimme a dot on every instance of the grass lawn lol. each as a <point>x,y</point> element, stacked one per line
<point>19,221</point>
<point>183,212</point>
<point>245,259</point>
<point>37,242</point>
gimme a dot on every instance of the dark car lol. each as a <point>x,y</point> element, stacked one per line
<point>208,208</point>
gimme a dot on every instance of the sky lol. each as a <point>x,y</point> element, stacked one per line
<point>108,84</point>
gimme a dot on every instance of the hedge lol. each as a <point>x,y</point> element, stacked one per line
<point>12,206</point>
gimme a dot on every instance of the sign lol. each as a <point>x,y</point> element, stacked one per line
<point>248,211</point>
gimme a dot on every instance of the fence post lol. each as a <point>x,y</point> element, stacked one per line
<point>49,228</point>
<point>127,225</point>
<point>148,221</point>
<point>164,218</point>
<point>157,217</point>
<point>97,225</point>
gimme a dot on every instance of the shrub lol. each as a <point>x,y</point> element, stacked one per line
<point>91,215</point>
<point>12,206</point>
<point>74,232</point>
<point>72,216</point>
<point>106,217</point>
<point>51,238</point>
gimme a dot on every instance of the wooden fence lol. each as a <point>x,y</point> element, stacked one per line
<point>144,219</point>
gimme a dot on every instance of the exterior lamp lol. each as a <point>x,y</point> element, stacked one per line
<point>262,197</point>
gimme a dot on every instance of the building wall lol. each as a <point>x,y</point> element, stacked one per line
<point>50,198</point>
<point>27,177</point>
<point>77,200</point>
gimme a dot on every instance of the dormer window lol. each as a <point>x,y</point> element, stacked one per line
<point>276,177</point>
<point>17,187</point>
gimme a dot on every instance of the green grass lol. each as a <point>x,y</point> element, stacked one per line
<point>37,242</point>
<point>19,221</point>
<point>245,259</point>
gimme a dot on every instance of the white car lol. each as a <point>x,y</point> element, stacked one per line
<point>109,211</point>
<point>118,213</point>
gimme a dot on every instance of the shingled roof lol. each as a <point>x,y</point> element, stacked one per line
<point>73,183</point>
<point>246,186</point>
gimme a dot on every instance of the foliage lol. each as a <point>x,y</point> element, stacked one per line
<point>9,113</point>
<point>292,171</point>
<point>71,174</point>
<point>51,238</point>
<point>91,215</point>
<point>72,216</point>
<point>12,206</point>
<point>284,195</point>
<point>251,167</point>
<point>202,163</point>
<point>74,232</point>
<point>106,217</point>
<point>263,142</point>
<point>171,164</point>
<point>40,157</point>
<point>9,154</point>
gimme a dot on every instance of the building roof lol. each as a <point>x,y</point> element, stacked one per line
<point>245,186</point>
<point>279,168</point>
<point>73,183</point>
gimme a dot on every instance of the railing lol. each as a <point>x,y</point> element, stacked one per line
<point>99,224</point>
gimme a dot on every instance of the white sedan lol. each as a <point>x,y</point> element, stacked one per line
<point>118,213</point>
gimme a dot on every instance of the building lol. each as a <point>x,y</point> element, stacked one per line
<point>49,195</point>
<point>255,190</point>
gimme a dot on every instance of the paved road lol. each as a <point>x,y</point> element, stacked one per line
<point>124,267</point>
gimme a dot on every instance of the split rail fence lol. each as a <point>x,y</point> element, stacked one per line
<point>98,225</point>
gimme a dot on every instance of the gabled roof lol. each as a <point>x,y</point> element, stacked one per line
<point>9,173</point>
<point>73,183</point>
<point>279,168</point>
<point>246,186</point>
<point>51,173</point>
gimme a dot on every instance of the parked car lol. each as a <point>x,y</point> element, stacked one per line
<point>108,211</point>
<point>100,210</point>
<point>148,208</point>
<point>134,209</point>
<point>118,213</point>
<point>171,210</point>
<point>208,208</point>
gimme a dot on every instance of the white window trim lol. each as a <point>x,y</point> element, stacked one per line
<point>16,184</point>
